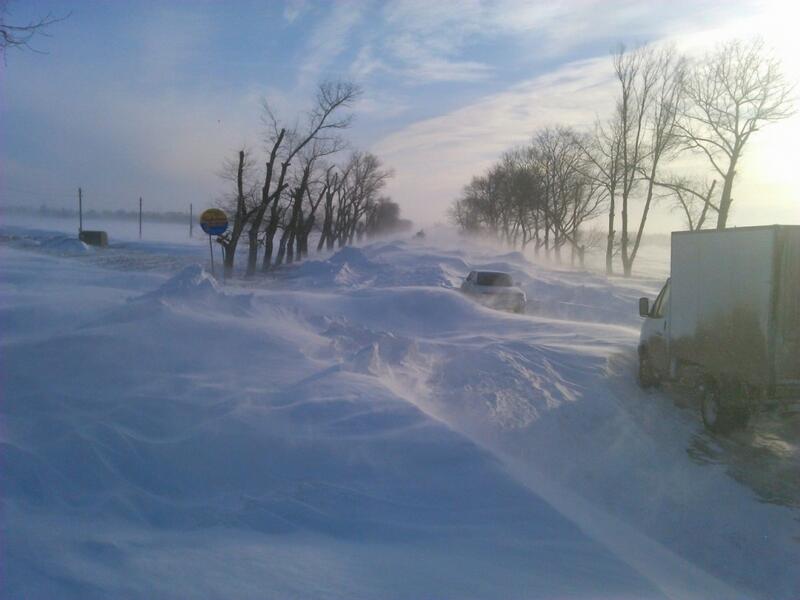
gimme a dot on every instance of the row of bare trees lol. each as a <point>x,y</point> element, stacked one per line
<point>669,109</point>
<point>298,188</point>
<point>539,195</point>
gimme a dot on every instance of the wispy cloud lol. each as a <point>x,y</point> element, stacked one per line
<point>424,40</point>
<point>435,157</point>
<point>168,39</point>
<point>293,9</point>
<point>328,39</point>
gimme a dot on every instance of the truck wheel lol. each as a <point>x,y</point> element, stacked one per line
<point>647,377</point>
<point>723,407</point>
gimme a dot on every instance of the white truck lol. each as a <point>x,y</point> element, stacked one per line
<point>727,321</point>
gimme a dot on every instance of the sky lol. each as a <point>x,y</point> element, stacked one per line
<point>140,98</point>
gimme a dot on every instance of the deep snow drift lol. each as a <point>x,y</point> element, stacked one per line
<point>352,427</point>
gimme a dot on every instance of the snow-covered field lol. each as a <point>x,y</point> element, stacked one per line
<point>353,427</point>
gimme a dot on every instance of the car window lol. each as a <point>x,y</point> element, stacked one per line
<point>661,303</point>
<point>495,279</point>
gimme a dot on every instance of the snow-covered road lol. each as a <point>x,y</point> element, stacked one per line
<point>353,428</point>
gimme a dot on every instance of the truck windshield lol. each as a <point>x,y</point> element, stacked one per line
<point>661,303</point>
<point>495,279</point>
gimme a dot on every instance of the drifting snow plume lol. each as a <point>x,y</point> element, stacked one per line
<point>346,276</point>
<point>516,257</point>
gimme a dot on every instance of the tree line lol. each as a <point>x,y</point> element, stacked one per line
<point>297,188</point>
<point>668,107</point>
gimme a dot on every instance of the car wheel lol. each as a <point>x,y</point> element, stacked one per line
<point>647,377</point>
<point>723,408</point>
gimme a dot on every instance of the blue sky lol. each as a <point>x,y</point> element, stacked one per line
<point>148,98</point>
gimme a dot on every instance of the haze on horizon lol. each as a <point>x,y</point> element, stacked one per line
<point>148,99</point>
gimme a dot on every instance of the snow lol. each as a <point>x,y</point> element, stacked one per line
<point>353,427</point>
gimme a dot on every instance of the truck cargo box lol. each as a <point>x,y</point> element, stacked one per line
<point>734,306</point>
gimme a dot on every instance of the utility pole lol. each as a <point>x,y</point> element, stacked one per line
<point>80,210</point>
<point>191,220</point>
<point>140,217</point>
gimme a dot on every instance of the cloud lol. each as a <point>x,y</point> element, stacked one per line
<point>423,39</point>
<point>293,9</point>
<point>434,158</point>
<point>328,39</point>
<point>168,39</point>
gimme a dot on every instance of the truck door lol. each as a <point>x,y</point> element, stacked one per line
<point>657,335</point>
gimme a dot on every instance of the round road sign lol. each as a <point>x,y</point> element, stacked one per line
<point>214,221</point>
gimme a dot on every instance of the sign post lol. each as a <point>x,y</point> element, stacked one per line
<point>214,222</point>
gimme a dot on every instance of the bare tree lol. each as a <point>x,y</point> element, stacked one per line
<point>334,181</point>
<point>538,194</point>
<point>637,75</point>
<point>661,130</point>
<point>321,124</point>
<point>733,92</point>
<point>602,152</point>
<point>691,198</point>
<point>19,35</point>
<point>366,177</point>
<point>243,204</point>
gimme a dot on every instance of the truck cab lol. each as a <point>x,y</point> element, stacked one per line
<point>654,338</point>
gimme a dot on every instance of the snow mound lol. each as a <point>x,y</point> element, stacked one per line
<point>348,267</point>
<point>195,286</point>
<point>351,256</point>
<point>370,351</point>
<point>190,282</point>
<point>65,245</point>
<point>509,384</point>
<point>355,268</point>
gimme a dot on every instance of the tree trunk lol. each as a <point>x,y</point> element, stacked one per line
<point>252,250</point>
<point>706,203</point>
<point>626,263</point>
<point>239,221</point>
<point>290,248</point>
<point>645,211</point>
<point>326,231</point>
<point>282,248</point>
<point>268,248</point>
<point>725,199</point>
<point>610,239</point>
